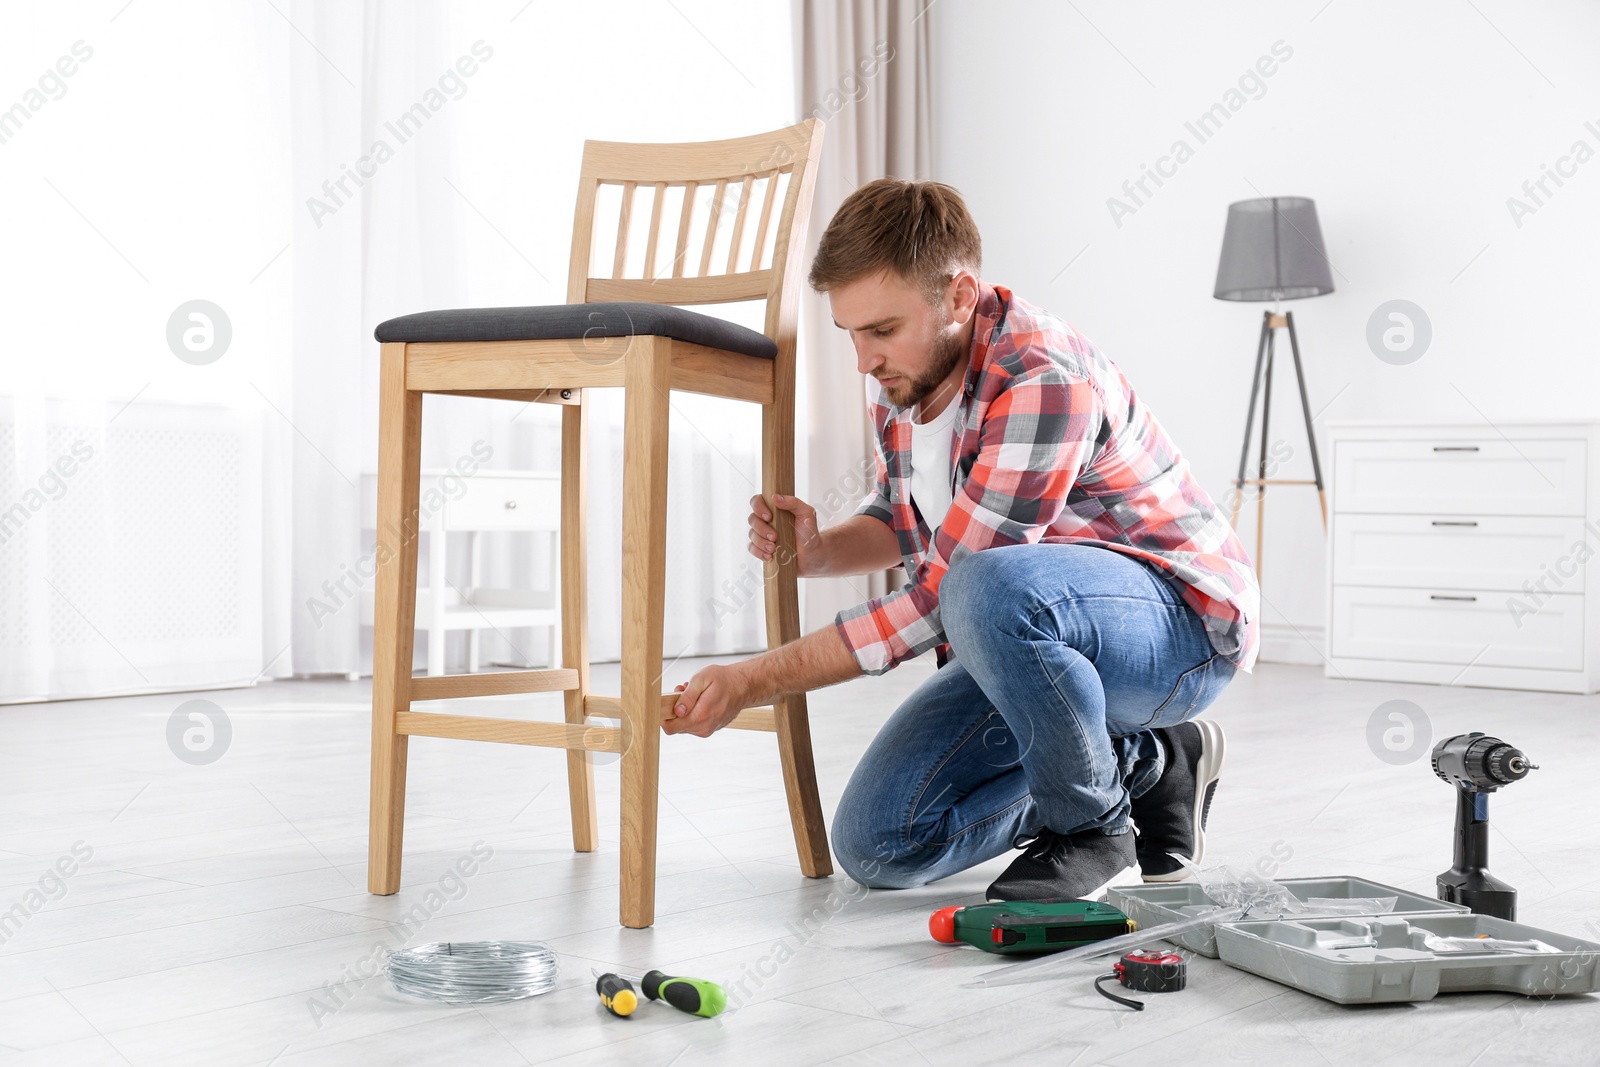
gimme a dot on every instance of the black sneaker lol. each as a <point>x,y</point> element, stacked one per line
<point>1076,866</point>
<point>1171,817</point>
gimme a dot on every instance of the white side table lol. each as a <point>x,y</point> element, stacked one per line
<point>526,501</point>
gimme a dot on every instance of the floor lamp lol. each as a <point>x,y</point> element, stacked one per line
<point>1272,250</point>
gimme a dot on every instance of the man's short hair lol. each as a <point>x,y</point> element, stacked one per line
<point>920,230</point>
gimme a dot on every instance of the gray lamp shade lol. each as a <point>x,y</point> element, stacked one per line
<point>1272,250</point>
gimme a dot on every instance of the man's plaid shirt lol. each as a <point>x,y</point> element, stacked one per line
<point>1051,444</point>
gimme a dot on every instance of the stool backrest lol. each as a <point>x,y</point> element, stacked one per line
<point>706,257</point>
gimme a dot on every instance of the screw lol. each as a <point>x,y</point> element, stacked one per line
<point>566,394</point>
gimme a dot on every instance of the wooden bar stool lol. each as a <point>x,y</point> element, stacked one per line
<point>615,331</point>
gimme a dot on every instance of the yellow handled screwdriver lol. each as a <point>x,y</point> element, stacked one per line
<point>694,996</point>
<point>616,994</point>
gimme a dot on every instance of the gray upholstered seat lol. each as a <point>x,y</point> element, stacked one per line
<point>551,321</point>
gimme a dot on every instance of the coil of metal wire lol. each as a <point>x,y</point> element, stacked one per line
<point>474,972</point>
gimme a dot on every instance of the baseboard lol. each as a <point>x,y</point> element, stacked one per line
<point>1300,643</point>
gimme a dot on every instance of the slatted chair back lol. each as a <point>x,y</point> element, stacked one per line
<point>719,220</point>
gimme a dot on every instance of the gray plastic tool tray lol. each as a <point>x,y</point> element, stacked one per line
<point>1154,903</point>
<point>1400,967</point>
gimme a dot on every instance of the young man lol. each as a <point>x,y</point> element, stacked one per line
<point>1084,597</point>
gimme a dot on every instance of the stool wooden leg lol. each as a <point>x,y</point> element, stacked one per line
<point>394,617</point>
<point>644,573</point>
<point>783,626</point>
<point>800,783</point>
<point>575,615</point>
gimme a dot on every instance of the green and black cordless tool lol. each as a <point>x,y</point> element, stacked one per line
<point>1029,925</point>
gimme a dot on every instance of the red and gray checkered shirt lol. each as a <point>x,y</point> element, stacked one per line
<point>1051,444</point>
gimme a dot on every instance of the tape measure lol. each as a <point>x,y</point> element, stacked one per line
<point>1148,970</point>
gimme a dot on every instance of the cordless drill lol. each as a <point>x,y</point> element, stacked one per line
<point>1477,764</point>
<point>1022,926</point>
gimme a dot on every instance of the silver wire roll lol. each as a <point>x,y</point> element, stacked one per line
<point>474,972</point>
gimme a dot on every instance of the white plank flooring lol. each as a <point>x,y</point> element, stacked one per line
<point>223,917</point>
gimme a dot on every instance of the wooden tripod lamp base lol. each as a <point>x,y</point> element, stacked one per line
<point>1261,387</point>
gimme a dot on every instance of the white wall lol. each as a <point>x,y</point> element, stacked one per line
<point>1411,125</point>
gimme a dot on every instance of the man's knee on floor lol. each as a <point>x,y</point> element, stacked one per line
<point>874,870</point>
<point>870,857</point>
<point>873,847</point>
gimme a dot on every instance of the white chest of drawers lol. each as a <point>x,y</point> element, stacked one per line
<point>1465,554</point>
<point>486,500</point>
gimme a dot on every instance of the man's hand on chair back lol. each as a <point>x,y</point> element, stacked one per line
<point>807,538</point>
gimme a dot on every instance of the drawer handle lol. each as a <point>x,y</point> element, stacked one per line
<point>1455,448</point>
<point>1441,596</point>
<point>1455,522</point>
<point>511,505</point>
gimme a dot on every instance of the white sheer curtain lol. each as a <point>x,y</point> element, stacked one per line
<point>144,163</point>
<point>864,69</point>
<point>310,169</point>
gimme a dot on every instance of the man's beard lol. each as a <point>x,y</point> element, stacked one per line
<point>948,353</point>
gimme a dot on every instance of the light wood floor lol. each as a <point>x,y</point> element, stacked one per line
<point>222,918</point>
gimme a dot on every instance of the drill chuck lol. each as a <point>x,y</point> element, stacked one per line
<point>1479,762</point>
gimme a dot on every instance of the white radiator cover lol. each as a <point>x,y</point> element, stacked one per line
<point>140,570</point>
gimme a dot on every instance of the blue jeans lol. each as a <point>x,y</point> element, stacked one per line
<point>1066,658</point>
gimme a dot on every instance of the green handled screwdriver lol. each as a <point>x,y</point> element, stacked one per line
<point>695,996</point>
